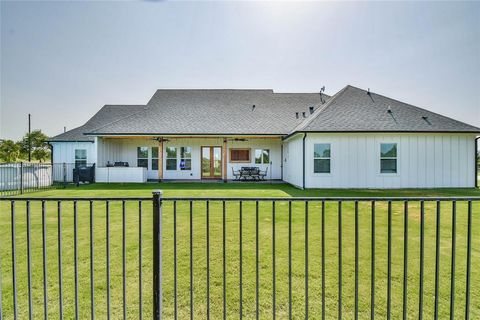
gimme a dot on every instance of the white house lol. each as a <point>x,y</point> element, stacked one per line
<point>353,139</point>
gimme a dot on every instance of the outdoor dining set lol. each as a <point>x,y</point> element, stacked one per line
<point>249,174</point>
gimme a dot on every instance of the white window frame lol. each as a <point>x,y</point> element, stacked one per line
<point>171,158</point>
<point>322,158</point>
<point>80,159</point>
<point>141,158</point>
<point>185,158</point>
<point>154,158</point>
<point>380,158</point>
<point>261,156</point>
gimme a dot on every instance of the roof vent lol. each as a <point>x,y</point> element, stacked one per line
<point>368,91</point>
<point>426,120</point>
<point>296,115</point>
<point>322,89</point>
<point>303,114</point>
<point>253,107</point>
<point>311,110</point>
<point>389,110</point>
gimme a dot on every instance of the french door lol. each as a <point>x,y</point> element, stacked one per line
<point>211,162</point>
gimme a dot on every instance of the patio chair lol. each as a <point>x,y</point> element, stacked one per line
<point>263,174</point>
<point>236,174</point>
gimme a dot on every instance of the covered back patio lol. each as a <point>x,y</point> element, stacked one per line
<point>170,158</point>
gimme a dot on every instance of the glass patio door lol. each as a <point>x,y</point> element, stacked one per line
<point>211,162</point>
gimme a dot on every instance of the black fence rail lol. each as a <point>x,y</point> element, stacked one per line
<point>261,258</point>
<point>23,177</point>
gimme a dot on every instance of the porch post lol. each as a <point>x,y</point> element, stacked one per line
<point>224,156</point>
<point>160,159</point>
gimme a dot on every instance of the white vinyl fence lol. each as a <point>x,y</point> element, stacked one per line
<point>20,177</point>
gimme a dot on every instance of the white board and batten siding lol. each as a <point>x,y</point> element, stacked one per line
<point>274,146</point>
<point>423,161</point>
<point>293,160</point>
<point>125,150</point>
<point>274,170</point>
<point>64,152</point>
<point>113,150</point>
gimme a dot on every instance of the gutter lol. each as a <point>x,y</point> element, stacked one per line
<point>377,131</point>
<point>50,141</point>
<point>183,134</point>
<point>303,142</point>
<point>281,162</point>
<point>476,163</point>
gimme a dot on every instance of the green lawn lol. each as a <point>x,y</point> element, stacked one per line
<point>232,252</point>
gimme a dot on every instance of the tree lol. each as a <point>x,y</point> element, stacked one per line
<point>9,151</point>
<point>37,140</point>
<point>41,154</point>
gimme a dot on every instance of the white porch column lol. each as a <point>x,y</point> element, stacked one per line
<point>95,151</point>
<point>160,159</point>
<point>224,157</point>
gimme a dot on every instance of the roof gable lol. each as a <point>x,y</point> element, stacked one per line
<point>356,110</point>
<point>107,114</point>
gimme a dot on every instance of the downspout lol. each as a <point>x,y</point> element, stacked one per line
<point>281,162</point>
<point>51,152</point>
<point>476,162</point>
<point>304,137</point>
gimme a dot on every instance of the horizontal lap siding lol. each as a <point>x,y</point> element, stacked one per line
<point>424,161</point>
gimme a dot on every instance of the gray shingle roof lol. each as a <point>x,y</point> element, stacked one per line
<point>217,112</point>
<point>231,112</point>
<point>108,114</point>
<point>352,109</point>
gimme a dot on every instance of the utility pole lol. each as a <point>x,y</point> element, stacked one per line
<point>29,138</point>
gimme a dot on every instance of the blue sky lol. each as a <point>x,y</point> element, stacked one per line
<point>62,61</point>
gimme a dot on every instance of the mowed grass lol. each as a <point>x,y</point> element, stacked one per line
<point>233,253</point>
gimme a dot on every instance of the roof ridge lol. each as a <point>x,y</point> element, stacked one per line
<point>123,105</point>
<point>117,120</point>
<point>212,89</point>
<point>315,114</point>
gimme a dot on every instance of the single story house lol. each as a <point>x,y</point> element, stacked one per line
<point>353,139</point>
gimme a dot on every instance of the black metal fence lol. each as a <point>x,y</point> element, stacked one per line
<point>312,258</point>
<point>22,177</point>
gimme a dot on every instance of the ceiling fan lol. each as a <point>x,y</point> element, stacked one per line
<point>160,139</point>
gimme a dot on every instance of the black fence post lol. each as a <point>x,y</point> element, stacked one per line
<point>21,177</point>
<point>1,310</point>
<point>64,175</point>
<point>52,175</point>
<point>157,255</point>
